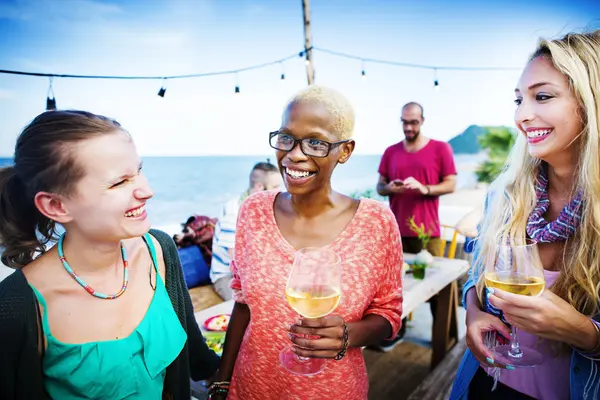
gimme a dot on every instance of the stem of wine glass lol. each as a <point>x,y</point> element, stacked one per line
<point>515,350</point>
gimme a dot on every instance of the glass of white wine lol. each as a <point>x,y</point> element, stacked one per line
<point>313,290</point>
<point>516,268</point>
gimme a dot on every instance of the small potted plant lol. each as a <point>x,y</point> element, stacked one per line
<point>424,259</point>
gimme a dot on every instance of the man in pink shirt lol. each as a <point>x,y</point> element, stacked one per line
<point>414,173</point>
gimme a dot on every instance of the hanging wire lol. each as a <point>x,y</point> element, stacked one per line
<point>411,65</point>
<point>301,54</point>
<point>198,75</point>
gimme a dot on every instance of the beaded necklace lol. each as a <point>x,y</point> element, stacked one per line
<point>88,288</point>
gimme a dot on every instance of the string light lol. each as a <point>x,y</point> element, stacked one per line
<point>120,77</point>
<point>305,53</point>
<point>50,101</point>
<point>237,85</point>
<point>163,89</point>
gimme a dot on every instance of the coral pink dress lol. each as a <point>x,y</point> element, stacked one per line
<point>371,255</point>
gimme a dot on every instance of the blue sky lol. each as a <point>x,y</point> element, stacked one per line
<point>203,116</point>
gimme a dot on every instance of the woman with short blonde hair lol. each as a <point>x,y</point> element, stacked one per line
<point>314,137</point>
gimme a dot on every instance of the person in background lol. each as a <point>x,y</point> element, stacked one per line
<point>104,313</point>
<point>264,176</point>
<point>549,193</point>
<point>468,225</point>
<point>414,173</point>
<point>315,136</point>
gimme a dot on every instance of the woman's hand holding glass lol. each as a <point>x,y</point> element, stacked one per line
<point>318,337</point>
<point>515,268</point>
<point>313,290</point>
<point>547,316</point>
<point>516,286</point>
<point>478,324</point>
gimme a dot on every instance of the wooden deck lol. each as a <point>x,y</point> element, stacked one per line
<point>396,374</point>
<point>204,297</point>
<point>393,375</point>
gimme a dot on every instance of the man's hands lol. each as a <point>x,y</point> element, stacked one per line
<point>399,186</point>
<point>411,183</point>
<point>395,187</point>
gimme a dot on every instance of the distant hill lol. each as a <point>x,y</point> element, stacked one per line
<point>466,142</point>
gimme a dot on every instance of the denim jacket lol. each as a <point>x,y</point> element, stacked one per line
<point>584,378</point>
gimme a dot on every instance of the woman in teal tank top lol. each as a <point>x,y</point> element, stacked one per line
<point>116,320</point>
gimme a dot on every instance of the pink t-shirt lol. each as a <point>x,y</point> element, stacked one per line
<point>430,166</point>
<point>549,380</point>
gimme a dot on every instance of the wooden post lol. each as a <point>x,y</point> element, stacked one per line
<point>445,325</point>
<point>310,70</point>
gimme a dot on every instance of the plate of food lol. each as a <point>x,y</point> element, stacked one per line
<point>215,341</point>
<point>217,323</point>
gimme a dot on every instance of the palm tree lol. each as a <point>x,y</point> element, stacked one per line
<point>497,141</point>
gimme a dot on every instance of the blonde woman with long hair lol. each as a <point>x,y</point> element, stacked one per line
<point>549,192</point>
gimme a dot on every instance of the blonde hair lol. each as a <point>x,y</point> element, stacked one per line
<point>576,56</point>
<point>334,103</point>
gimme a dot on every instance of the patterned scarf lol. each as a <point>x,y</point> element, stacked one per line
<point>564,226</point>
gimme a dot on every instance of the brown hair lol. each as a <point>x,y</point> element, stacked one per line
<point>43,161</point>
<point>265,167</point>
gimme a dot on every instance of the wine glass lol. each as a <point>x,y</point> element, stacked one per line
<point>516,268</point>
<point>313,290</point>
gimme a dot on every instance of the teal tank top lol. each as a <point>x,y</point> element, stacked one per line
<point>129,368</point>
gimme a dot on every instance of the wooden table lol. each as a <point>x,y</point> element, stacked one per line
<point>440,279</point>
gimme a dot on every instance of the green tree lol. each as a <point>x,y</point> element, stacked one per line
<point>497,141</point>
<point>369,194</point>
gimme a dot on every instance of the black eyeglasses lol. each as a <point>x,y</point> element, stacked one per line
<point>310,147</point>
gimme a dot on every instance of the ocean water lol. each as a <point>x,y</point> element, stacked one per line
<point>201,185</point>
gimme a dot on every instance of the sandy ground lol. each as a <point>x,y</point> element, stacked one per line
<point>469,198</point>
